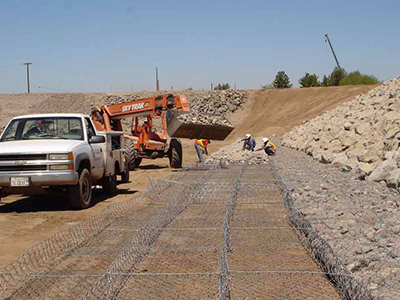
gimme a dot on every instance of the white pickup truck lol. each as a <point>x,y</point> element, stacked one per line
<point>60,152</point>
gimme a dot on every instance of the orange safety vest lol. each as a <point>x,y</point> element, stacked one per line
<point>201,142</point>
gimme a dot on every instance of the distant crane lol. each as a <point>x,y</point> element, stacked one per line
<point>333,52</point>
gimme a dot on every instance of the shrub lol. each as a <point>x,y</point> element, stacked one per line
<point>309,80</point>
<point>326,81</point>
<point>281,81</point>
<point>355,78</point>
<point>224,86</point>
<point>337,75</point>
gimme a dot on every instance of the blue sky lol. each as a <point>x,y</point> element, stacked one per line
<point>103,46</point>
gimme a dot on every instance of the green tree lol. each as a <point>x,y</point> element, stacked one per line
<point>337,75</point>
<point>309,80</point>
<point>224,86</point>
<point>326,81</point>
<point>281,81</point>
<point>355,78</point>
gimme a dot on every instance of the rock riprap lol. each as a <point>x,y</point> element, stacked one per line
<point>358,219</point>
<point>216,102</point>
<point>234,154</point>
<point>362,135</point>
<point>204,119</point>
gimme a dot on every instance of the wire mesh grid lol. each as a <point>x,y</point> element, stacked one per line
<point>205,232</point>
<point>281,286</point>
<point>348,287</point>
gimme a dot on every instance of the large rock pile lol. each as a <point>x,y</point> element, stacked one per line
<point>362,135</point>
<point>233,154</point>
<point>216,102</point>
<point>204,119</point>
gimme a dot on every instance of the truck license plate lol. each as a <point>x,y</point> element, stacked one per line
<point>19,181</point>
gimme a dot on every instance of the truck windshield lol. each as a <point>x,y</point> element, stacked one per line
<point>44,128</point>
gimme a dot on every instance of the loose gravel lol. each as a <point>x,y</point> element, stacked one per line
<point>360,220</point>
<point>234,154</point>
<point>204,119</point>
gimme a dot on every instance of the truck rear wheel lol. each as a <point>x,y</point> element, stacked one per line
<point>175,154</point>
<point>80,195</point>
<point>109,184</point>
<point>125,174</point>
<point>131,153</point>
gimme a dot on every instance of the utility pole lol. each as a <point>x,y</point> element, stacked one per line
<point>235,86</point>
<point>211,86</point>
<point>157,82</point>
<point>333,52</point>
<point>27,75</point>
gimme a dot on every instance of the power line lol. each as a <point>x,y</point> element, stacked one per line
<point>27,75</point>
<point>157,81</point>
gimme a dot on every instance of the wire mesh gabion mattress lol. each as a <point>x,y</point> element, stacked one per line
<point>211,232</point>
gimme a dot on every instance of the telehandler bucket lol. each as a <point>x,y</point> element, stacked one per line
<point>178,129</point>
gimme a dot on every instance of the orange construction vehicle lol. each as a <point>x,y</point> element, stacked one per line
<point>143,142</point>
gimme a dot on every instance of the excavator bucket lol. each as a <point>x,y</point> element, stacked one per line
<point>178,129</point>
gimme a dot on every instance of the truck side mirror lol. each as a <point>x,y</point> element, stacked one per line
<point>97,139</point>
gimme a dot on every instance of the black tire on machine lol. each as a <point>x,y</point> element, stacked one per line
<point>175,154</point>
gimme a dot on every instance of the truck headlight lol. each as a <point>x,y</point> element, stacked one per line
<point>58,167</point>
<point>62,156</point>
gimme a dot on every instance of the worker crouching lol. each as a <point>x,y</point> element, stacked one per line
<point>268,147</point>
<point>249,143</point>
<point>201,148</point>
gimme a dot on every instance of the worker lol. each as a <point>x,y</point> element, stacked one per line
<point>268,147</point>
<point>201,147</point>
<point>146,126</point>
<point>249,143</point>
<point>42,127</point>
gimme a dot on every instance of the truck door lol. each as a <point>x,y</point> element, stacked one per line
<point>98,164</point>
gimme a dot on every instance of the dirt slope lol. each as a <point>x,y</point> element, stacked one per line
<point>277,111</point>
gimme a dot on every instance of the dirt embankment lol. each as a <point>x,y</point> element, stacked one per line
<point>277,111</point>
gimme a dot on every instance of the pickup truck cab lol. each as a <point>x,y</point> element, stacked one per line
<point>60,152</point>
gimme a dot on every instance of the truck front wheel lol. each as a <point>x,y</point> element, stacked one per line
<point>80,195</point>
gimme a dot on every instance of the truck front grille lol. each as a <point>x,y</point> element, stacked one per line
<point>22,168</point>
<point>9,157</point>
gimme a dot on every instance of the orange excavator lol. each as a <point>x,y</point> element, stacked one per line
<point>144,142</point>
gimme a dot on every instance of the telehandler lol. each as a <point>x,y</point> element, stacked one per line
<point>144,142</point>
